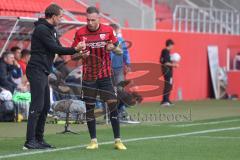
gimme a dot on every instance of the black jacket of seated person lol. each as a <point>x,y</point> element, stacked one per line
<point>6,81</point>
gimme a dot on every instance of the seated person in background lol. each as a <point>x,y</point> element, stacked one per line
<point>16,71</point>
<point>17,52</point>
<point>25,56</point>
<point>7,109</point>
<point>7,68</point>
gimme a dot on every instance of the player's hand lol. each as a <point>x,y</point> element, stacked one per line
<point>110,46</point>
<point>81,46</point>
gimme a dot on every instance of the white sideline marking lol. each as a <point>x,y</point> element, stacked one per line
<point>127,140</point>
<point>206,123</point>
<point>217,137</point>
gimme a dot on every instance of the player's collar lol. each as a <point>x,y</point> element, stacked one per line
<point>95,30</point>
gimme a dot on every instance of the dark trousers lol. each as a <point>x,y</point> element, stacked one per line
<point>167,87</point>
<point>40,103</point>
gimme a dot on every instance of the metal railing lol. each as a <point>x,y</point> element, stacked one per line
<point>206,20</point>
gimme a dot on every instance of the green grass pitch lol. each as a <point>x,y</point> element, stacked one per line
<point>196,130</point>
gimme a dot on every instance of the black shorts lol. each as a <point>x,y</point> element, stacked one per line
<point>104,87</point>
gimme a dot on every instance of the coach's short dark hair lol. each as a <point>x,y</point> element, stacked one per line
<point>169,42</point>
<point>13,49</point>
<point>92,9</point>
<point>51,10</point>
<point>114,26</point>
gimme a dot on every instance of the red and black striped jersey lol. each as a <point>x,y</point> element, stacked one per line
<point>98,64</point>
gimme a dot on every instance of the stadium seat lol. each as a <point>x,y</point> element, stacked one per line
<point>9,4</point>
<point>30,8</point>
<point>3,6</point>
<point>70,5</point>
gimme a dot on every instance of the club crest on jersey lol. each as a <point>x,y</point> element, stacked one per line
<point>102,36</point>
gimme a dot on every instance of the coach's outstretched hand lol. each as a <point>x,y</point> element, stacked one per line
<point>81,46</point>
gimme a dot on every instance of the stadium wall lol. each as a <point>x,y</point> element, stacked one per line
<point>192,77</point>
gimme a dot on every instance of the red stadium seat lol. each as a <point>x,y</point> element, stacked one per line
<point>70,5</point>
<point>31,8</point>
<point>3,6</point>
<point>7,5</point>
